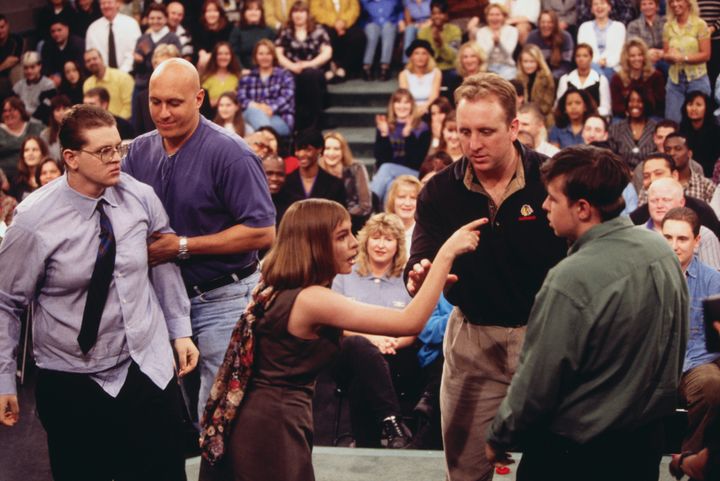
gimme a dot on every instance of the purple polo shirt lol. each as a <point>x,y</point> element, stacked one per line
<point>212,183</point>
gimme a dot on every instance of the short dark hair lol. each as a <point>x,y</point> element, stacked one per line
<point>518,86</point>
<point>156,7</point>
<point>59,19</point>
<point>684,214</point>
<point>3,17</point>
<point>16,103</point>
<point>99,92</point>
<point>678,135</point>
<point>38,170</point>
<point>79,119</point>
<point>648,105</point>
<point>309,138</point>
<point>441,4</point>
<point>591,173</point>
<point>667,124</point>
<point>661,155</point>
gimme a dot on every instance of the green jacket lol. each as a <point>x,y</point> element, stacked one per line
<point>446,53</point>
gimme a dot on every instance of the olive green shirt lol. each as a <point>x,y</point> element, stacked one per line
<point>605,342</point>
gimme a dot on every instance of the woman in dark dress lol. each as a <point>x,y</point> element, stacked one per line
<point>214,27</point>
<point>297,331</point>
<point>702,133</point>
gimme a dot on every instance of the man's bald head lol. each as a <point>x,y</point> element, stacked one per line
<point>175,99</point>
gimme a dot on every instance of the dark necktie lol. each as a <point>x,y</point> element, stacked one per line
<point>112,56</point>
<point>99,284</point>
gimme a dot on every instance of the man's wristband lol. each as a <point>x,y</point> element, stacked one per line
<point>183,252</point>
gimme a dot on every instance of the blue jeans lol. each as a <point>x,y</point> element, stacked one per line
<point>256,119</point>
<point>675,94</point>
<point>608,72</point>
<point>385,175</point>
<point>213,316</point>
<point>508,72</point>
<point>374,33</point>
<point>410,34</point>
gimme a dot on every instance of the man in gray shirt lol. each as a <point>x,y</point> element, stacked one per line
<point>103,322</point>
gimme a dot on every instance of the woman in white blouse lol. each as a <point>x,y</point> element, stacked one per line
<point>605,36</point>
<point>498,40</point>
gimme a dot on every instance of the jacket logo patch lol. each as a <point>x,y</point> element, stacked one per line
<point>526,210</point>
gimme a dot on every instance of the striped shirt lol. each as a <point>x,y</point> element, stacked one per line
<point>710,12</point>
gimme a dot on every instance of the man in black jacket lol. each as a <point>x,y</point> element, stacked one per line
<point>495,286</point>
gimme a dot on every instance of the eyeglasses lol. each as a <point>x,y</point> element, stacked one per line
<point>107,154</point>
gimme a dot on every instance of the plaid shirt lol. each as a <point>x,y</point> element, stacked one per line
<point>277,91</point>
<point>308,49</point>
<point>652,36</point>
<point>699,187</point>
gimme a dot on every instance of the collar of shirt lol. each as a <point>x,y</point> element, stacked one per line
<point>155,36</point>
<point>517,183</point>
<point>86,205</point>
<point>600,230</point>
<point>692,270</point>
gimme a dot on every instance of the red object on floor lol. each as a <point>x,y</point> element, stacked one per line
<point>502,470</point>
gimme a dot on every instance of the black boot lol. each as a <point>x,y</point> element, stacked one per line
<point>367,73</point>
<point>385,72</point>
<point>395,435</point>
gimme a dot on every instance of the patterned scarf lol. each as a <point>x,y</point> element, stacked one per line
<point>231,380</point>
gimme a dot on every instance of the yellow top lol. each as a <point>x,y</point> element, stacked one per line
<point>686,40</point>
<point>120,87</point>
<point>216,87</point>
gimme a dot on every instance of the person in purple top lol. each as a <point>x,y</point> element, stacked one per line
<point>214,189</point>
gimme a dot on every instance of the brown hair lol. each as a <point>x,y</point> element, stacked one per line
<point>298,6</point>
<point>684,214</point>
<point>301,255</point>
<point>265,43</point>
<point>245,7</point>
<point>16,103</point>
<point>409,180</point>
<point>222,21</point>
<point>483,85</point>
<point>449,117</point>
<point>624,71</point>
<point>212,66</point>
<point>398,94</point>
<point>24,174</point>
<point>79,119</point>
<point>57,102</point>
<point>237,121</point>
<point>384,223</point>
<point>347,157</point>
<point>556,38</point>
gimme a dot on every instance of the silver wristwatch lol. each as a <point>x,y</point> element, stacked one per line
<point>183,252</point>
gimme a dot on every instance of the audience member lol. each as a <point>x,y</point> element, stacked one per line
<point>337,160</point>
<point>595,130</point>
<point>585,78</point>
<point>402,140</point>
<point>648,27</point>
<point>229,114</point>
<point>275,172</point>
<point>537,80</point>
<point>60,48</point>
<point>695,184</point>
<point>556,44</point>
<point>35,90</point>
<point>709,10</point>
<point>686,46</point>
<point>222,72</point>
<point>657,166</point>
<point>381,24</point>
<point>497,283</point>
<point>54,11</point>
<point>421,76</point>
<point>666,194</point>
<point>16,125</point>
<point>309,180</point>
<point>48,170</point>
<point>214,27</point>
<point>267,93</point>
<point>524,16</point>
<point>87,12</point>
<point>92,383</point>
<point>700,382</point>
<point>700,129</point>
<point>566,12</point>
<point>370,366</point>
<point>470,60</point>
<point>621,11</point>
<point>158,33</point>
<point>277,13</point>
<point>605,36</point>
<point>439,108</point>
<point>416,15</point>
<point>636,71</point>
<point>532,121</point>
<point>402,201</point>
<point>249,32</point>
<point>303,47</point>
<point>59,106</point>
<point>551,410</point>
<point>32,151</point>
<point>450,140</point>
<point>573,108</point>
<point>175,17</point>
<point>11,48</point>
<point>187,161</point>
<point>113,36</point>
<point>100,97</point>
<point>498,40</point>
<point>118,83</point>
<point>142,121</point>
<point>72,81</point>
<point>340,18</point>
<point>632,137</point>
<point>444,39</point>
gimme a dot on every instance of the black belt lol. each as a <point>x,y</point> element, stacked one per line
<point>221,281</point>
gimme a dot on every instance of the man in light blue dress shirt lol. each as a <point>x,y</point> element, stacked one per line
<point>110,409</point>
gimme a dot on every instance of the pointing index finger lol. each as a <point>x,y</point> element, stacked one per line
<point>475,224</point>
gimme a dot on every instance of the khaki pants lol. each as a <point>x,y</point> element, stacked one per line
<point>479,364</point>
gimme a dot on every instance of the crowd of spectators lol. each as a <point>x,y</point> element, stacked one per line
<point>638,77</point>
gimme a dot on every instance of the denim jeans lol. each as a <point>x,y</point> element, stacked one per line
<point>374,33</point>
<point>409,35</point>
<point>508,72</point>
<point>675,94</point>
<point>256,119</point>
<point>608,72</point>
<point>385,175</point>
<point>214,315</point>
